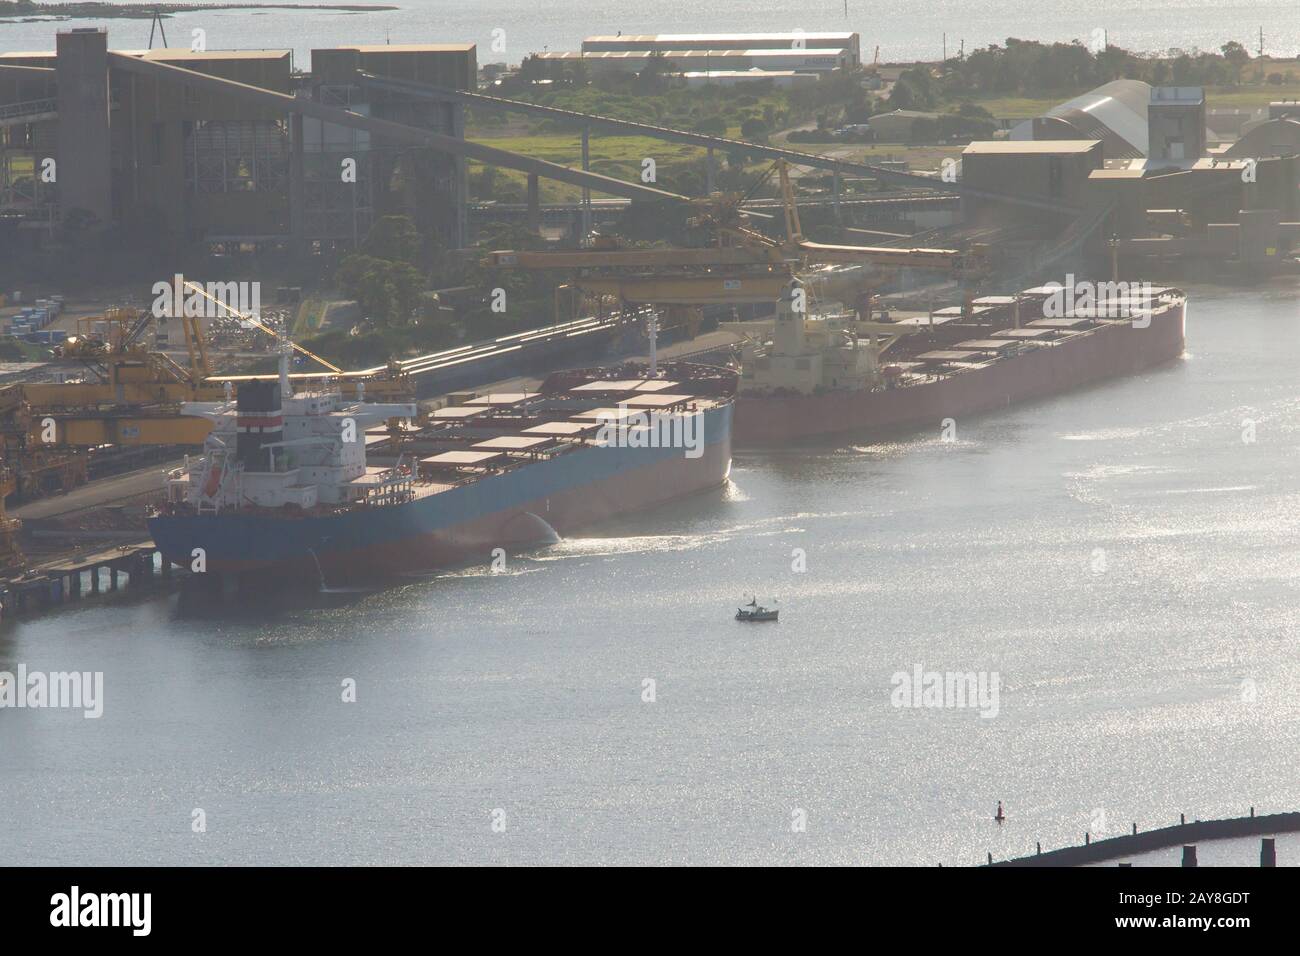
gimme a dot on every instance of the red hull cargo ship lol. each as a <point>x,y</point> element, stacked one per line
<point>835,374</point>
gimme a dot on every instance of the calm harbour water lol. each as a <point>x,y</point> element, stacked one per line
<point>1122,688</point>
<point>903,30</point>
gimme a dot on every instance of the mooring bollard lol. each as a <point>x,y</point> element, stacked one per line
<point>1268,852</point>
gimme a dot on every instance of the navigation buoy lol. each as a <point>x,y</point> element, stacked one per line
<point>1000,816</point>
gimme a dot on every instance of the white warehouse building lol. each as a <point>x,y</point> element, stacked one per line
<point>819,60</point>
<point>665,42</point>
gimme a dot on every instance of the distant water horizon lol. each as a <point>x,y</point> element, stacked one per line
<point>902,31</point>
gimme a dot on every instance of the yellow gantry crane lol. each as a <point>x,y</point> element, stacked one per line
<point>137,398</point>
<point>742,265</point>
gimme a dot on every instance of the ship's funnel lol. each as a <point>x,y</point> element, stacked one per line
<point>259,421</point>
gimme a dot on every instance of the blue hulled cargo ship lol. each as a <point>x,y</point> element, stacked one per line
<point>310,484</point>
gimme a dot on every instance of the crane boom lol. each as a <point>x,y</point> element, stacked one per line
<point>257,323</point>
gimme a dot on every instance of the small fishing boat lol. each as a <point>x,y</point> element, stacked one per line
<point>753,611</point>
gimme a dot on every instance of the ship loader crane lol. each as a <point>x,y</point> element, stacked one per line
<point>391,385</point>
<point>138,393</point>
<point>741,265</point>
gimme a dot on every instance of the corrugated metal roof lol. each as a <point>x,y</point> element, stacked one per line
<point>410,47</point>
<point>1038,146</point>
<point>1121,105</point>
<point>597,55</point>
<point>185,53</point>
<point>730,37</point>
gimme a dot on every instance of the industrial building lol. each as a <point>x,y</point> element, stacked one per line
<point>228,148</point>
<point>810,60</point>
<point>780,79</point>
<point>1134,162</point>
<point>1114,113</point>
<point>727,57</point>
<point>243,150</point>
<point>1176,133</point>
<point>901,126</point>
<point>665,42</point>
<point>1055,172</point>
<point>1271,138</point>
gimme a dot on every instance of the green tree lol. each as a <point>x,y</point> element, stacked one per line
<point>913,91</point>
<point>387,291</point>
<point>1237,57</point>
<point>394,238</point>
<point>754,129</point>
<point>653,78</point>
<point>712,126</point>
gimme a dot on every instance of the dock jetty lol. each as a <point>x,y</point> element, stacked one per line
<point>133,565</point>
<point>1183,834</point>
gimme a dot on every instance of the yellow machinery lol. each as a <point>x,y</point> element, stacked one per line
<point>137,396</point>
<point>134,398</point>
<point>741,266</point>
<point>128,372</point>
<point>12,560</point>
<point>40,467</point>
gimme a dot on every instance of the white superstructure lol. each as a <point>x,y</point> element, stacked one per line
<point>318,457</point>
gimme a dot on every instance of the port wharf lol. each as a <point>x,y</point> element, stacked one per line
<point>1181,834</point>
<point>48,585</point>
